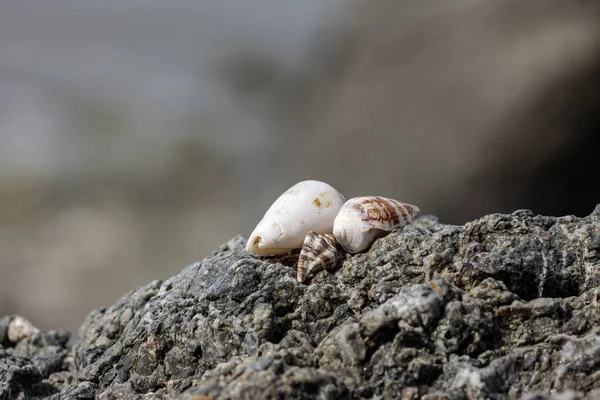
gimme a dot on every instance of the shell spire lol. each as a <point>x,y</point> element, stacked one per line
<point>361,220</point>
<point>318,252</point>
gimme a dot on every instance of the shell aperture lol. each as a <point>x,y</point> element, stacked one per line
<point>361,220</point>
<point>306,206</point>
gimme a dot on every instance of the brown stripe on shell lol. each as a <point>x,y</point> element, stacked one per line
<point>413,211</point>
<point>386,214</point>
<point>380,210</point>
<point>402,210</point>
<point>406,210</point>
<point>318,252</point>
<point>376,209</point>
<point>388,206</point>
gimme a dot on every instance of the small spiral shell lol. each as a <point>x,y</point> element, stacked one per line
<point>318,252</point>
<point>361,220</point>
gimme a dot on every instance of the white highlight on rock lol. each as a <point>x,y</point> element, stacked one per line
<point>20,328</point>
<point>306,206</point>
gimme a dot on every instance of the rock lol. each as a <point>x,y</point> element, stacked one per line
<point>503,307</point>
<point>33,364</point>
<point>19,328</point>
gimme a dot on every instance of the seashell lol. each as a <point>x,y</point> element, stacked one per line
<point>361,220</point>
<point>318,252</point>
<point>306,206</point>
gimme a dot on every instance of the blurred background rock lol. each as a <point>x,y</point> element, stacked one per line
<point>135,137</point>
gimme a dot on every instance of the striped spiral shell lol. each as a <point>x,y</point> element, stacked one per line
<point>318,252</point>
<point>361,220</point>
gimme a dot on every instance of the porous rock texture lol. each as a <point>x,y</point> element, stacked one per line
<point>503,307</point>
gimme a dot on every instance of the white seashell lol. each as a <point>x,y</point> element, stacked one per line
<point>306,206</point>
<point>361,220</point>
<point>318,252</point>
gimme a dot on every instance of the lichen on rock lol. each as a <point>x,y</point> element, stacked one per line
<point>505,306</point>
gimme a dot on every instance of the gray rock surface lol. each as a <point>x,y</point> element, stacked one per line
<point>503,307</point>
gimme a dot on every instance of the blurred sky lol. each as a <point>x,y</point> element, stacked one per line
<point>150,64</point>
